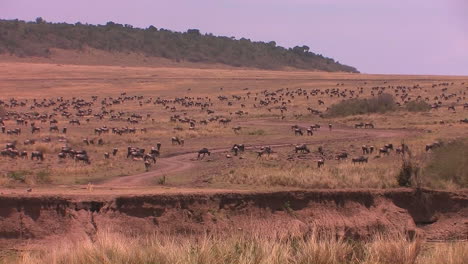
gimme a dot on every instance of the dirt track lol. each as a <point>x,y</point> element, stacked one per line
<point>185,161</point>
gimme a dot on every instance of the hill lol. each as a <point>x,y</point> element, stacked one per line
<point>39,38</point>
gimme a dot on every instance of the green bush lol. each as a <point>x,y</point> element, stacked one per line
<point>258,132</point>
<point>379,104</point>
<point>19,176</point>
<point>43,176</point>
<point>418,106</point>
<point>448,165</point>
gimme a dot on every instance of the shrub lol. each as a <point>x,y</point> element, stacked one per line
<point>380,104</point>
<point>43,176</point>
<point>19,176</point>
<point>258,132</point>
<point>162,180</point>
<point>418,106</point>
<point>408,174</point>
<point>449,165</point>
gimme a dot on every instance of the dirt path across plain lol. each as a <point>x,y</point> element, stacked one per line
<point>186,161</point>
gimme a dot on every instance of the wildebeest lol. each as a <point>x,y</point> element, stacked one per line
<point>365,149</point>
<point>16,131</point>
<point>384,151</point>
<point>359,125</point>
<point>264,150</point>
<point>224,121</point>
<point>154,151</point>
<point>402,149</point>
<point>11,145</point>
<point>82,157</point>
<point>35,129</point>
<point>298,132</point>
<point>315,127</point>
<point>54,129</point>
<point>320,163</point>
<point>177,140</point>
<point>38,155</point>
<point>147,165</point>
<point>389,146</point>
<point>433,145</point>
<point>202,152</point>
<point>294,127</point>
<point>88,141</point>
<point>241,147</point>
<point>150,157</point>
<point>135,153</point>
<point>74,122</point>
<point>29,142</point>
<point>342,156</point>
<point>301,148</point>
<point>360,159</point>
<point>23,154</point>
<point>320,150</point>
<point>236,129</point>
<point>237,148</point>
<point>9,152</point>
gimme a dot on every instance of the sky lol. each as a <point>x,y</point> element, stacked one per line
<point>375,36</point>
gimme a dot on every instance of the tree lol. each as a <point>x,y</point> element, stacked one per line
<point>152,28</point>
<point>40,20</point>
<point>193,32</point>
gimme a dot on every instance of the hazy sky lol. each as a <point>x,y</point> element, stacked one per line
<point>376,36</point>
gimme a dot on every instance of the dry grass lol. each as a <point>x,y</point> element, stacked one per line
<point>246,248</point>
<point>307,175</point>
<point>447,253</point>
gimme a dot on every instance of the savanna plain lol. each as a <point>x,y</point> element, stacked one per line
<point>171,164</point>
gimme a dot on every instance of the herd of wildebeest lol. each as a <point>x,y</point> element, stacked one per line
<point>59,115</point>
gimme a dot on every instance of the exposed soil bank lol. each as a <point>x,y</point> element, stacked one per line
<point>434,214</point>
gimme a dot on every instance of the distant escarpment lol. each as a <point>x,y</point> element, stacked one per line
<point>39,39</point>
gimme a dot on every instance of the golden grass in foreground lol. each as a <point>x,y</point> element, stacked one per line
<point>251,248</point>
